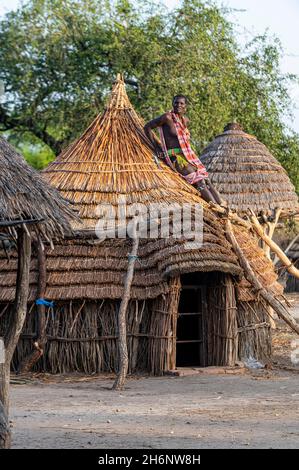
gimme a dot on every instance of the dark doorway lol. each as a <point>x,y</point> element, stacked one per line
<point>190,326</point>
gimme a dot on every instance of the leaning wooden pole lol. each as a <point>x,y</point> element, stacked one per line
<point>255,226</point>
<point>287,249</point>
<point>17,319</point>
<point>269,231</point>
<point>274,247</point>
<point>122,319</point>
<point>251,277</point>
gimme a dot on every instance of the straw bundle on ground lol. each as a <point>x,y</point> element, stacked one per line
<point>85,277</point>
<point>246,174</point>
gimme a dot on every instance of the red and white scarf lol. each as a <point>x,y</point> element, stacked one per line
<point>183,135</point>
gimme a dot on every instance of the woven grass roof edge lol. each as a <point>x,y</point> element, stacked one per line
<point>26,195</point>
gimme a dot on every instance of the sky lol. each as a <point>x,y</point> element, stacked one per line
<point>280,18</point>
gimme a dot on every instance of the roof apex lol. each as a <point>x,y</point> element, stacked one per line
<point>233,126</point>
<point>118,97</point>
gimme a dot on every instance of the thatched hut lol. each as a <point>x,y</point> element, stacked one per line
<point>184,302</point>
<point>250,178</point>
<point>247,175</point>
<point>30,210</point>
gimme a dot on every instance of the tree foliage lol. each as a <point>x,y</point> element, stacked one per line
<point>58,60</point>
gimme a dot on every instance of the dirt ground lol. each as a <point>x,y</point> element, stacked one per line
<point>247,409</point>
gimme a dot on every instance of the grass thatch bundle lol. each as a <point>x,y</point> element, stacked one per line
<point>24,195</point>
<point>246,174</point>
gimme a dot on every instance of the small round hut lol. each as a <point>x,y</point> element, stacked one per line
<point>250,178</point>
<point>31,213</point>
<point>183,306</point>
<point>247,175</point>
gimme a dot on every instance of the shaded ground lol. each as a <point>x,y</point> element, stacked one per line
<point>258,409</point>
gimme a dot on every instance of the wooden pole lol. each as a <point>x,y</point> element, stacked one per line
<point>4,425</point>
<point>258,229</point>
<point>287,249</point>
<point>16,321</point>
<point>270,227</point>
<point>41,340</point>
<point>5,438</point>
<point>13,223</point>
<point>275,248</point>
<point>250,276</point>
<point>175,286</point>
<point>122,319</point>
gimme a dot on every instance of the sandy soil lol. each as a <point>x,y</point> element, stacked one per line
<point>252,409</point>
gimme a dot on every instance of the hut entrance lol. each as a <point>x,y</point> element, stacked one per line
<point>190,349</point>
<point>207,322</point>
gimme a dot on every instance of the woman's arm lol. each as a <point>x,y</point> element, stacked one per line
<point>148,129</point>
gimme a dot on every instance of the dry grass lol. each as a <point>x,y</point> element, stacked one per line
<point>246,174</point>
<point>113,157</point>
<point>261,265</point>
<point>25,195</point>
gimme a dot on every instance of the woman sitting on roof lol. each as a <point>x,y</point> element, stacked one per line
<point>175,148</point>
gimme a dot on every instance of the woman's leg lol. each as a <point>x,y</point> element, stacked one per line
<point>214,192</point>
<point>205,192</point>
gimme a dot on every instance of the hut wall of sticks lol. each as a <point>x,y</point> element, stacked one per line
<point>177,291</point>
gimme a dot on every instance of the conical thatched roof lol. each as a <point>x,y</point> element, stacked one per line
<point>246,174</point>
<point>24,195</point>
<point>112,158</point>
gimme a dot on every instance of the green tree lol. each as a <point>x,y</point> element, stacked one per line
<point>58,60</point>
